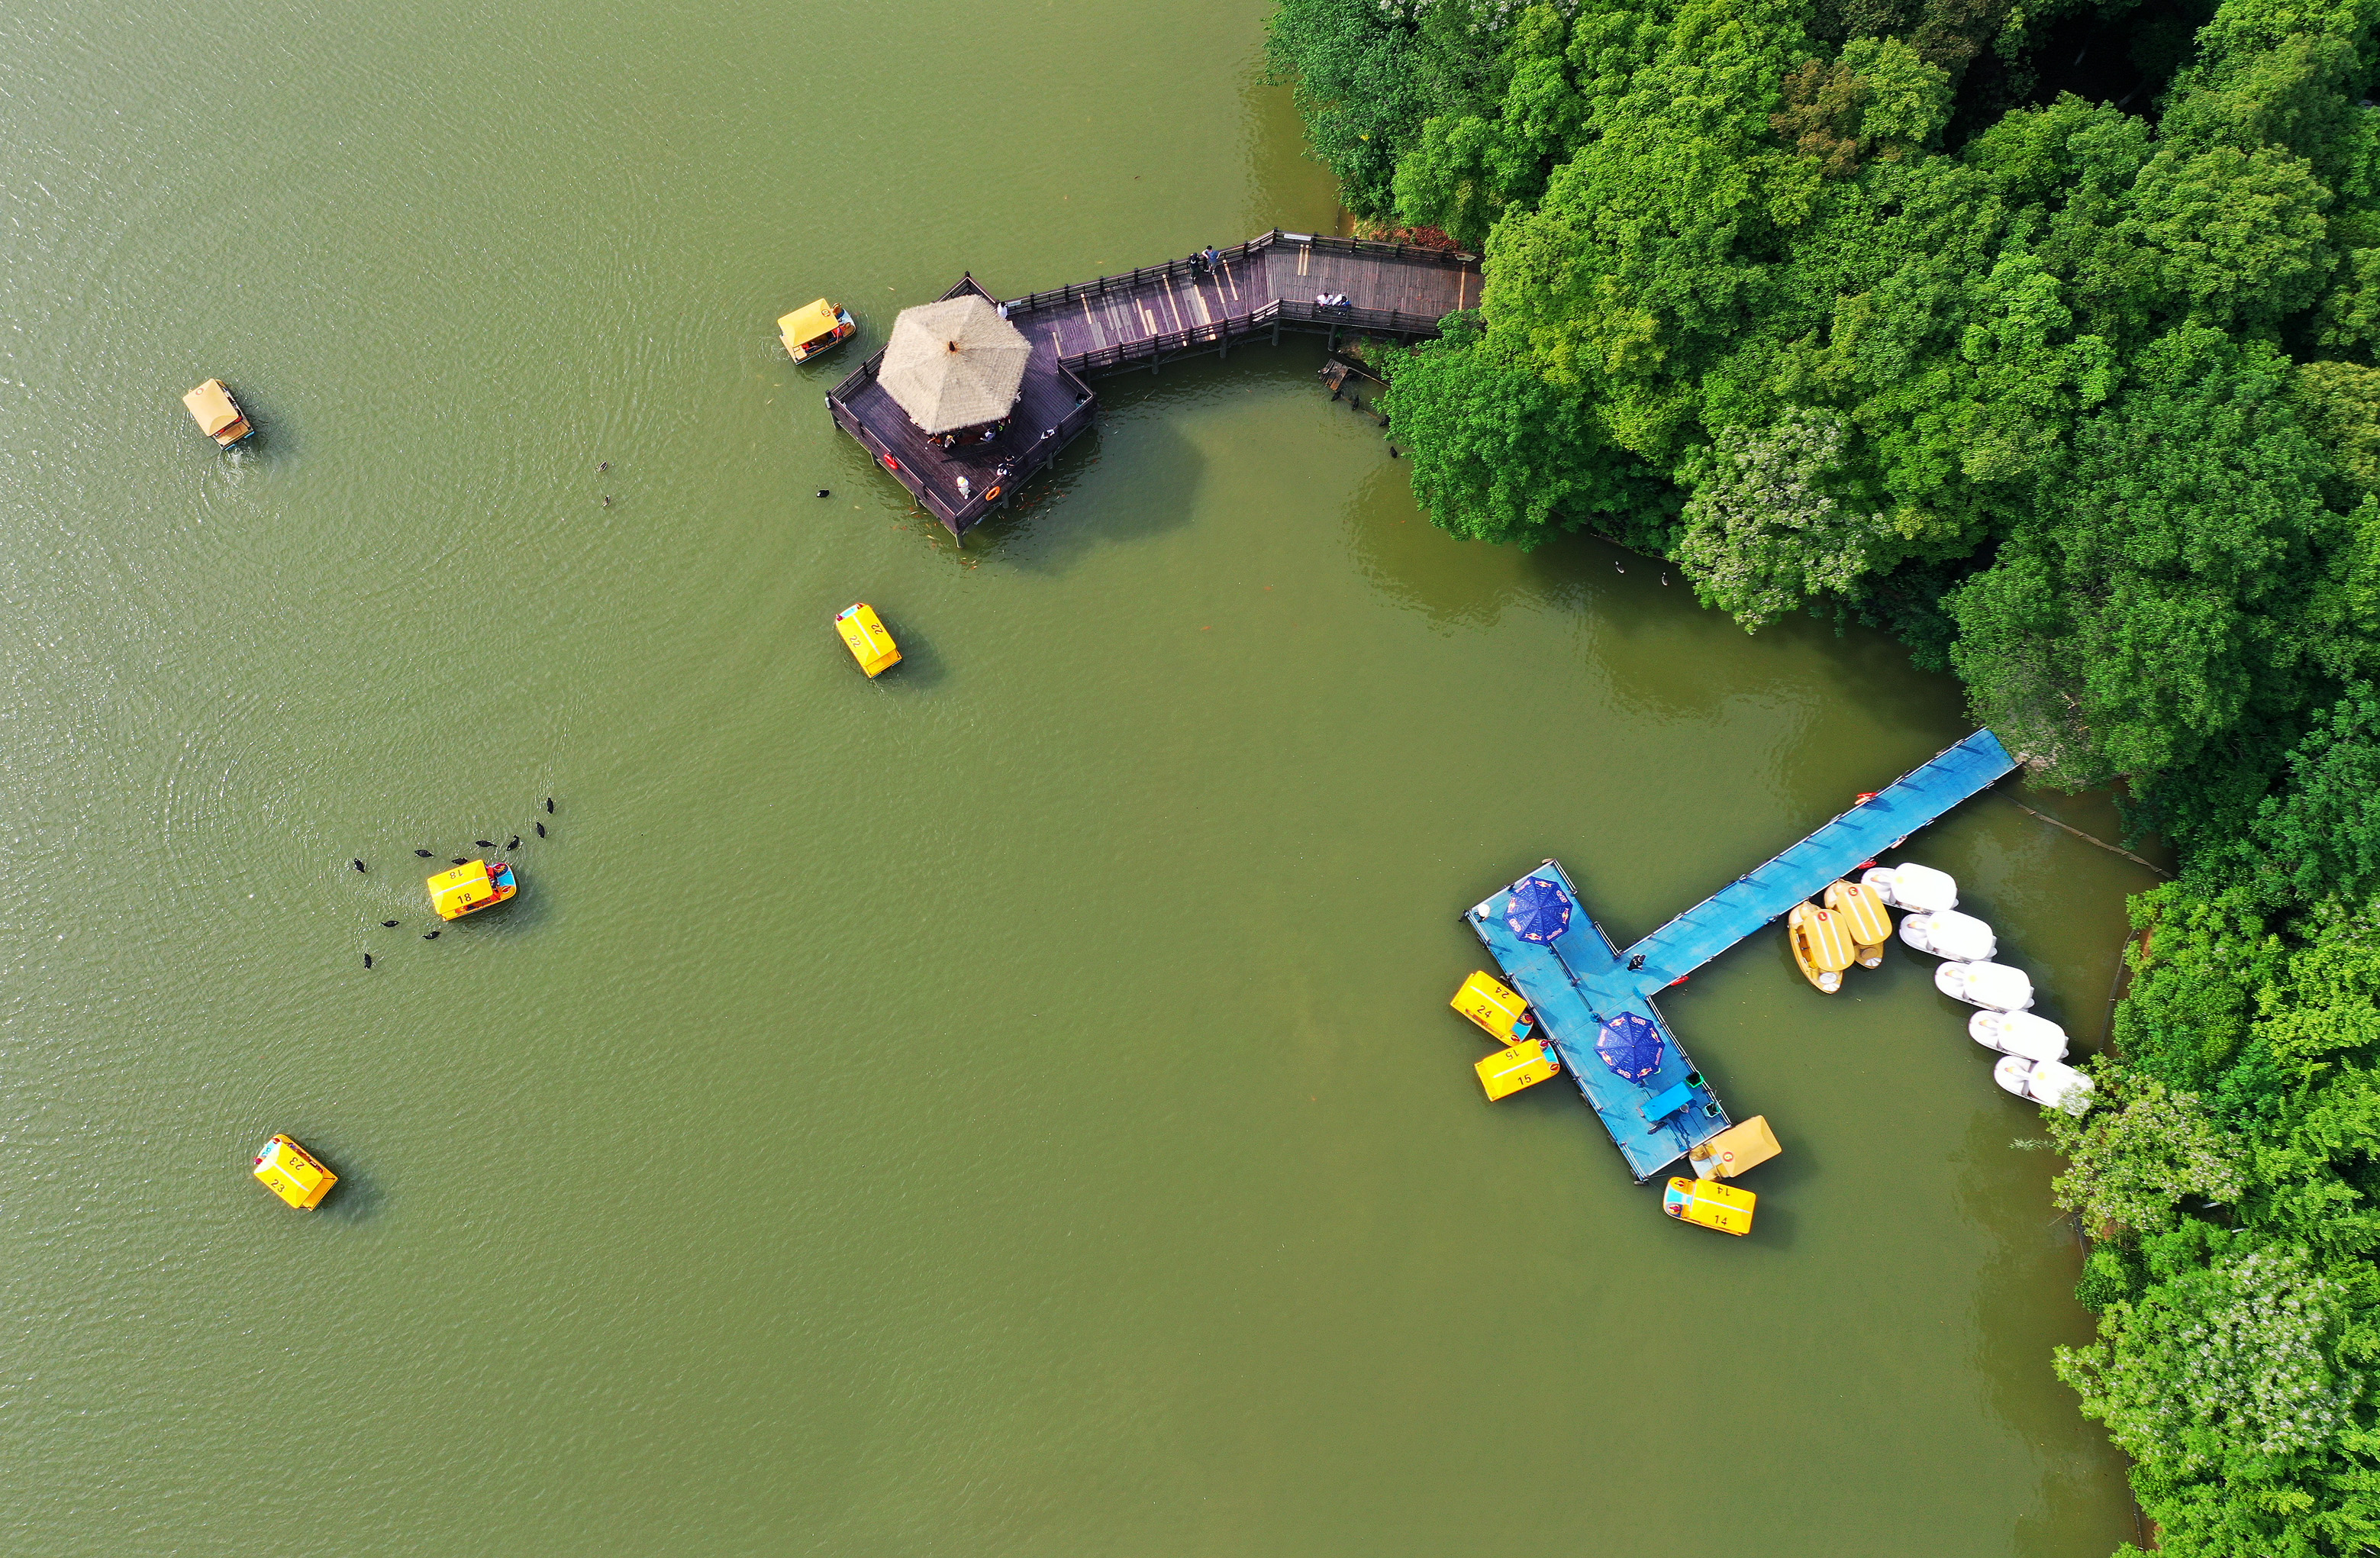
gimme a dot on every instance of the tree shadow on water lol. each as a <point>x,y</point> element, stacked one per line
<point>2022,1310</point>
<point>1114,485</point>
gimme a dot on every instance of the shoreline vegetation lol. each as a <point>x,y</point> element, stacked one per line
<point>2044,339</point>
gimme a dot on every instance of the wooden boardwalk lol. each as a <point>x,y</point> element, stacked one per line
<point>1150,317</point>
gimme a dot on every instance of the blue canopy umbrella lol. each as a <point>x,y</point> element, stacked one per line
<point>1539,910</point>
<point>1630,1045</point>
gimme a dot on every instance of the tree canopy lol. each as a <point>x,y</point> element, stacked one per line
<point>1850,307</point>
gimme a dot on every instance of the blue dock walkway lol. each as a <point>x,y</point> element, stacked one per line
<point>1578,980</point>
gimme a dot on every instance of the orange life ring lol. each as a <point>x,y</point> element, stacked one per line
<point>891,464</point>
<point>992,495</point>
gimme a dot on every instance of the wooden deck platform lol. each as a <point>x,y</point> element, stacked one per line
<point>1150,317</point>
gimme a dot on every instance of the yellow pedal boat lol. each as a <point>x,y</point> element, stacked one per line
<point>1822,944</point>
<point>293,1173</point>
<point>217,414</point>
<point>865,635</point>
<point>471,887</point>
<point>1515,1066</point>
<point>813,328</point>
<point>1488,1002</point>
<point>1710,1204</point>
<point>1865,917</point>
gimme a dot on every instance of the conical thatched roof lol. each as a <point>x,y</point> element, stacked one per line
<point>954,364</point>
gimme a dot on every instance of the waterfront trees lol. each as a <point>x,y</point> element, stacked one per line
<point>1840,307</point>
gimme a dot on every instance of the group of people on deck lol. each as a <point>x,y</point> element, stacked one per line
<point>1333,300</point>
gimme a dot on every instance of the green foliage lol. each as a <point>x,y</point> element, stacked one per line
<point>2134,1162</point>
<point>1501,455</point>
<point>2084,401</point>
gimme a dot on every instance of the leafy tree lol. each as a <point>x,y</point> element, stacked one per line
<point>1501,455</point>
<point>2134,1162</point>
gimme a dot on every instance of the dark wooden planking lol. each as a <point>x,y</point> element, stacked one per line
<point>1145,318</point>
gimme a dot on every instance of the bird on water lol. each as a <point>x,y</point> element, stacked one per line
<point>540,830</point>
<point>460,861</point>
<point>485,842</point>
<point>357,864</point>
<point>549,806</point>
<point>824,492</point>
<point>423,853</point>
<point>602,468</point>
<point>514,843</point>
<point>388,924</point>
<point>429,935</point>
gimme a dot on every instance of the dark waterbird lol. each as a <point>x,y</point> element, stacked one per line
<point>357,864</point>
<point>824,492</point>
<point>429,935</point>
<point>367,960</point>
<point>485,842</point>
<point>514,843</point>
<point>388,924</point>
<point>423,853</point>
<point>540,830</point>
<point>549,806</point>
<point>460,861</point>
<point>602,468</point>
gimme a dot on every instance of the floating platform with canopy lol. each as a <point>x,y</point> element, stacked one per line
<point>1593,1002</point>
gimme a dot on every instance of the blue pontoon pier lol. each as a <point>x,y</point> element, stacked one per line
<point>1576,981</point>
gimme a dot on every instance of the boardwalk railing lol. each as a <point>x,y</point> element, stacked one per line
<point>1267,321</point>
<point>1105,287</point>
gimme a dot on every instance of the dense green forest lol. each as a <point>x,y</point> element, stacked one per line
<point>2044,338</point>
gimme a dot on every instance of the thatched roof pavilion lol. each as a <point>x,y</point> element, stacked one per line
<point>955,364</point>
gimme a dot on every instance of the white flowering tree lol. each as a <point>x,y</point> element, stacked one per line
<point>2224,1367</point>
<point>2132,1164</point>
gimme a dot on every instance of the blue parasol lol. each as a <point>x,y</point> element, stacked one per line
<point>1630,1045</point>
<point>1539,910</point>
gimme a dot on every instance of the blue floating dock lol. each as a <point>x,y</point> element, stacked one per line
<point>1577,980</point>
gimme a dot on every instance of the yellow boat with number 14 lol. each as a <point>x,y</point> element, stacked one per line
<point>1706,1203</point>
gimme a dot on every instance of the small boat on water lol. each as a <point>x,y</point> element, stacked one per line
<point>1496,1007</point>
<point>1993,985</point>
<point>1706,1203</point>
<point>1962,938</point>
<point>1822,944</point>
<point>1864,915</point>
<point>813,328</point>
<point>2046,1081</point>
<point>471,887</point>
<point>217,414</point>
<point>1515,1066</point>
<point>1914,888</point>
<point>865,635</point>
<point>293,1173</point>
<point>2018,1033</point>
<point>1734,1149</point>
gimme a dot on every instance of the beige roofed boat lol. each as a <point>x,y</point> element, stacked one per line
<point>954,364</point>
<point>216,413</point>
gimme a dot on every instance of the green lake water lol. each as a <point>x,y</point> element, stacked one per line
<point>1008,1108</point>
